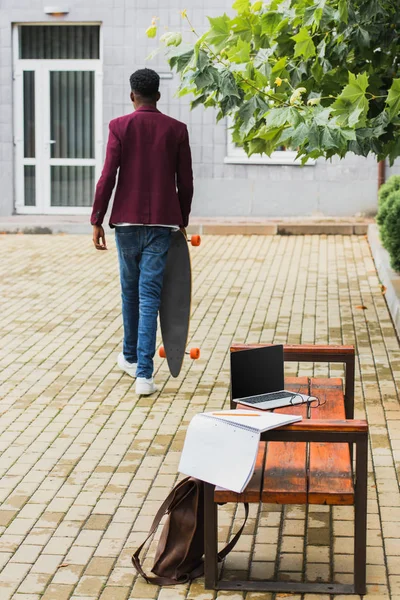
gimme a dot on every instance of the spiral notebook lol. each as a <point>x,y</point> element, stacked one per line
<point>221,446</point>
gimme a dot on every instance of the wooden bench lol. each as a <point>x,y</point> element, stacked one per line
<point>309,462</point>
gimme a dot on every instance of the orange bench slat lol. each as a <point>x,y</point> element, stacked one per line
<point>285,475</point>
<point>330,475</point>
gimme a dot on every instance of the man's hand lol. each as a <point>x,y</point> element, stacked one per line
<point>183,230</point>
<point>99,239</point>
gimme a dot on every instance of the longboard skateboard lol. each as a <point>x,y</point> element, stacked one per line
<point>175,303</point>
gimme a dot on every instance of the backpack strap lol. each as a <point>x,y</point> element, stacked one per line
<point>163,510</point>
<point>198,571</point>
<point>230,546</point>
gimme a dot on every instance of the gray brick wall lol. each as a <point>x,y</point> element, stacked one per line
<point>344,187</point>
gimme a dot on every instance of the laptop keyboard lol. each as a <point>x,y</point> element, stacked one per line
<point>267,397</point>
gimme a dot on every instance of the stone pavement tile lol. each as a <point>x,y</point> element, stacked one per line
<point>35,583</point>
<point>262,570</point>
<point>47,563</point>
<point>68,574</point>
<point>317,554</point>
<point>115,593</point>
<point>394,582</point>
<point>122,576</point>
<point>392,547</point>
<point>292,544</point>
<point>291,562</point>
<point>26,554</point>
<point>6,516</point>
<point>100,566</point>
<point>317,572</point>
<point>58,591</point>
<point>99,522</point>
<point>4,558</point>
<point>58,545</point>
<point>90,585</point>
<point>141,589</point>
<point>393,564</point>
<point>79,555</point>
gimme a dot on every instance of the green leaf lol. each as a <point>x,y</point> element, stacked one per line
<point>304,44</point>
<point>343,11</point>
<point>321,115</point>
<point>393,99</point>
<point>296,136</point>
<point>151,31</point>
<point>379,124</point>
<point>180,61</point>
<point>270,22</point>
<point>248,126</point>
<point>321,48</point>
<point>279,67</point>
<point>315,138</point>
<point>257,146</point>
<point>203,79</point>
<point>200,100</point>
<point>171,38</point>
<point>313,14</point>
<point>227,84</point>
<point>280,116</point>
<point>219,32</point>
<point>241,6</point>
<point>329,138</point>
<point>317,71</point>
<point>246,111</point>
<point>351,107</point>
<point>240,53</point>
<point>257,6</point>
<point>228,104</point>
<point>202,60</point>
<point>362,36</point>
<point>270,134</point>
<point>242,27</point>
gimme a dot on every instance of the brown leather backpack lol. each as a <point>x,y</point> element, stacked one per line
<point>179,554</point>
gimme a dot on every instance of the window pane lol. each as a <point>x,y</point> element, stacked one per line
<point>72,185</point>
<point>72,114</point>
<point>29,114</point>
<point>30,185</point>
<point>59,41</point>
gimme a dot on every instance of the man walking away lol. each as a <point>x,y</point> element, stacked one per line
<point>153,197</point>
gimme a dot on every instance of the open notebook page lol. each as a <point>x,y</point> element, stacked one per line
<point>219,452</point>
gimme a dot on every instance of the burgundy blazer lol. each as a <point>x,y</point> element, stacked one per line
<point>155,181</point>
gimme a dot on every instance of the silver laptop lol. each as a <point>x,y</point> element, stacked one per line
<point>271,400</point>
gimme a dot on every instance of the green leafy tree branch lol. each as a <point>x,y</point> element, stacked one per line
<point>319,76</point>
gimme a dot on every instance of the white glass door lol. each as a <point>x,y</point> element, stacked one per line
<point>58,134</point>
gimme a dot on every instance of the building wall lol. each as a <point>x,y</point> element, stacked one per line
<point>337,188</point>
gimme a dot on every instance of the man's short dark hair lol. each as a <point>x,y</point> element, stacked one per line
<point>145,83</point>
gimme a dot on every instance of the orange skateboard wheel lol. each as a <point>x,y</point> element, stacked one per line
<point>195,240</point>
<point>194,353</point>
<point>161,352</point>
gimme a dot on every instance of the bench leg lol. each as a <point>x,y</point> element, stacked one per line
<point>360,516</point>
<point>210,538</point>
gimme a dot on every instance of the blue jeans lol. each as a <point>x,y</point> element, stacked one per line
<point>142,253</point>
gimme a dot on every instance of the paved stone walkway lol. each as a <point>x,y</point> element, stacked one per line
<point>85,464</point>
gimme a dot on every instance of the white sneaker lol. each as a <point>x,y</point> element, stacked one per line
<point>145,387</point>
<point>126,366</point>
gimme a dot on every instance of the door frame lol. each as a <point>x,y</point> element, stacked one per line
<point>42,160</point>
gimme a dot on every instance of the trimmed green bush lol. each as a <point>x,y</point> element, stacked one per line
<point>390,227</point>
<point>391,185</point>
<point>383,209</point>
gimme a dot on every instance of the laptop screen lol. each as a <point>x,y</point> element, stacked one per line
<point>257,371</point>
